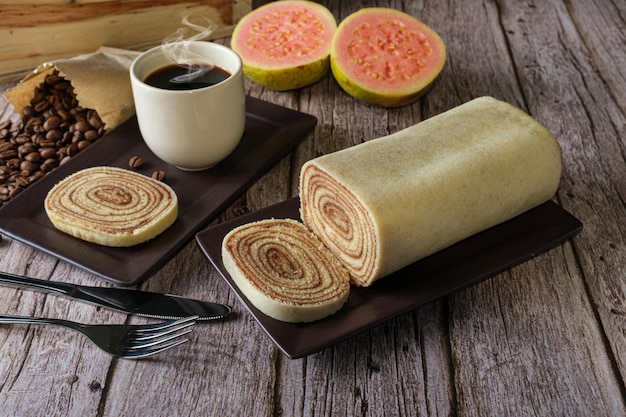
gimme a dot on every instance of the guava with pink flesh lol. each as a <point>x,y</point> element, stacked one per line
<point>386,57</point>
<point>285,44</point>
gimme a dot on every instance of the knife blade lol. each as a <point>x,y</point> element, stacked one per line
<point>141,303</point>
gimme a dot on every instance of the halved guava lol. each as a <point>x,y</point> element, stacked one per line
<point>285,45</point>
<point>385,56</point>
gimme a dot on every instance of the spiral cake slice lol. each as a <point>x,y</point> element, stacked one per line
<point>285,271</point>
<point>386,203</point>
<point>111,206</point>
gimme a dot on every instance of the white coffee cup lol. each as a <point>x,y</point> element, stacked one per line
<point>190,129</point>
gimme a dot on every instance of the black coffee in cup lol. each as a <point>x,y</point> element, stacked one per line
<point>186,77</point>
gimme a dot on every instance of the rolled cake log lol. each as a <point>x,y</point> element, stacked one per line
<point>384,204</point>
<point>285,271</point>
<point>111,206</point>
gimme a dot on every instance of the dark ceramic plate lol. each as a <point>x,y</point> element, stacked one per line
<point>271,133</point>
<point>459,266</point>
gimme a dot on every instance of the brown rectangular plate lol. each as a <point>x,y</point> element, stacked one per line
<point>271,133</point>
<point>459,266</point>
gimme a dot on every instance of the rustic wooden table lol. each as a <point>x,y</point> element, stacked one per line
<point>547,337</point>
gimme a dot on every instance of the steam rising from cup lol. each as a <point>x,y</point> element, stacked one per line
<point>176,48</point>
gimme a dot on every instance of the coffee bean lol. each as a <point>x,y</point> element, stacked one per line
<point>47,144</point>
<point>13,164</point>
<point>21,139</point>
<point>22,179</point>
<point>158,175</point>
<point>94,120</point>
<point>27,111</point>
<point>82,126</point>
<point>77,136</point>
<point>6,146</point>
<point>33,157</point>
<point>52,123</point>
<point>67,137</point>
<point>41,106</point>
<point>72,149</point>
<point>48,165</point>
<point>54,135</point>
<point>61,85</point>
<point>53,78</point>
<point>15,191</point>
<point>31,126</point>
<point>92,135</point>
<point>28,167</point>
<point>8,154</point>
<point>35,176</point>
<point>25,149</point>
<point>47,153</point>
<point>135,162</point>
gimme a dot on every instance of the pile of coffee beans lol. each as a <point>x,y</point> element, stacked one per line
<point>52,129</point>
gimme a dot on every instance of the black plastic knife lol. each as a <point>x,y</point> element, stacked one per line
<point>141,303</point>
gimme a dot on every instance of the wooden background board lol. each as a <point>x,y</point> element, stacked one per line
<point>36,31</point>
<point>546,338</point>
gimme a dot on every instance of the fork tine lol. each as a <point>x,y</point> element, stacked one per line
<point>170,328</point>
<point>161,339</point>
<point>135,354</point>
<point>143,343</point>
<point>147,328</point>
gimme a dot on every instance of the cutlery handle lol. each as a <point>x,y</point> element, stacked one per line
<point>8,319</point>
<point>36,284</point>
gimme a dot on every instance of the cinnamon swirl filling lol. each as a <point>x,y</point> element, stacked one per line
<point>340,221</point>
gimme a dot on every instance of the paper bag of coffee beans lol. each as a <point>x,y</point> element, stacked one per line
<point>63,107</point>
<point>100,80</point>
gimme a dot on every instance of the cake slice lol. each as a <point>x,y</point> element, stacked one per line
<point>111,206</point>
<point>285,271</point>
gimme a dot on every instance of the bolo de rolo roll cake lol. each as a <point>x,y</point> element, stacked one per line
<point>285,271</point>
<point>111,206</point>
<point>386,203</point>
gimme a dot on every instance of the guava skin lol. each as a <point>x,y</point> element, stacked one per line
<point>289,78</point>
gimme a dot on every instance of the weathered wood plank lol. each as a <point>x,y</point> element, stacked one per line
<point>580,108</point>
<point>33,32</point>
<point>602,29</point>
<point>515,334</point>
